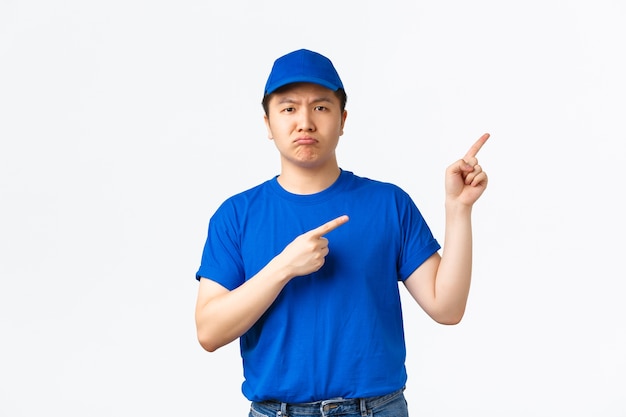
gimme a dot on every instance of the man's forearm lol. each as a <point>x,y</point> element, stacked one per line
<point>455,269</point>
<point>226,316</point>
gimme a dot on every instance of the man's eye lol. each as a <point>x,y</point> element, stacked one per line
<point>320,108</point>
<point>288,109</point>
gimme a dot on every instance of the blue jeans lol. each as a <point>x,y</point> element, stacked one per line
<point>390,405</point>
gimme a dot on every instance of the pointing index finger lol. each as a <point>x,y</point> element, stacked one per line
<point>476,147</point>
<point>330,226</point>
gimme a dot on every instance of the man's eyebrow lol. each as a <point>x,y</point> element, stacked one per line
<point>283,100</point>
<point>323,99</point>
<point>289,100</point>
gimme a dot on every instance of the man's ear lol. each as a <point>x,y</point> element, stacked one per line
<point>343,121</point>
<point>266,119</point>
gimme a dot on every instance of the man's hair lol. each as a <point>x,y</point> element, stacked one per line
<point>340,94</point>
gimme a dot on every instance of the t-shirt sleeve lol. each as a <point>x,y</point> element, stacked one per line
<point>221,257</point>
<point>419,243</point>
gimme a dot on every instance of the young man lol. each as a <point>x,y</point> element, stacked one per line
<point>304,268</point>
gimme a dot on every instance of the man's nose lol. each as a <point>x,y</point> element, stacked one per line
<point>305,123</point>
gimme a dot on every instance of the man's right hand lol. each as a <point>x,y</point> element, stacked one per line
<point>306,253</point>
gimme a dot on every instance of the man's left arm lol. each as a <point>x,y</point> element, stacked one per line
<point>441,284</point>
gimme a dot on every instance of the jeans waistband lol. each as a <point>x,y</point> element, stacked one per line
<point>333,406</point>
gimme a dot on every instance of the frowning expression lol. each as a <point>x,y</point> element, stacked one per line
<point>305,122</point>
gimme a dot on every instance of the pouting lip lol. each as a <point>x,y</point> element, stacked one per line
<point>305,139</point>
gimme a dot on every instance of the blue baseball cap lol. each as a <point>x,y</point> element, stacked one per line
<point>303,66</point>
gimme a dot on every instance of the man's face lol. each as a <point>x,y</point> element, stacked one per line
<point>305,121</point>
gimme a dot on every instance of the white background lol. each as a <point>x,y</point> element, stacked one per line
<point>124,124</point>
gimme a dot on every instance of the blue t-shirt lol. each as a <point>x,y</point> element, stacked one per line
<point>337,332</point>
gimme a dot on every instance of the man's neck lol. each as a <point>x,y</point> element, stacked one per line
<point>299,180</point>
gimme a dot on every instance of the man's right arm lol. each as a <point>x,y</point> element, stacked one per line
<point>222,315</point>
